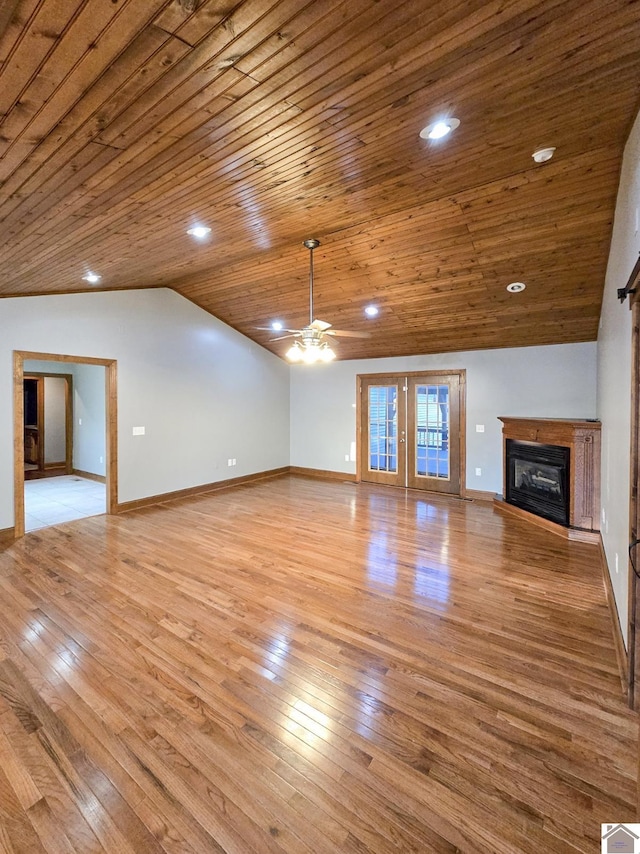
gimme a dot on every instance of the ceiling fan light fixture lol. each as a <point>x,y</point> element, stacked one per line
<point>439,129</point>
<point>311,355</point>
<point>92,278</point>
<point>294,353</point>
<point>327,354</point>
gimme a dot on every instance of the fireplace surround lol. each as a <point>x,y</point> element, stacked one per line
<point>554,476</point>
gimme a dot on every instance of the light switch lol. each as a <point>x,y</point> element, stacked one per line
<point>479,428</point>
<point>138,431</point>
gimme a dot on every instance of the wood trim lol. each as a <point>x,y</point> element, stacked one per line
<point>575,534</point>
<point>68,433</point>
<point>151,500</point>
<point>18,444</point>
<point>323,474</point>
<point>462,372</point>
<point>618,639</point>
<point>479,495</point>
<point>463,430</point>
<point>28,355</point>
<point>61,465</point>
<point>41,423</point>
<point>7,535</point>
<point>111,450</point>
<point>111,410</point>
<point>88,475</point>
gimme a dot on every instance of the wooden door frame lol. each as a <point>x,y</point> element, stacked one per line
<point>111,414</point>
<point>39,417</point>
<point>633,652</point>
<point>68,408</point>
<point>461,373</point>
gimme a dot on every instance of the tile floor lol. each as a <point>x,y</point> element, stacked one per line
<point>52,500</point>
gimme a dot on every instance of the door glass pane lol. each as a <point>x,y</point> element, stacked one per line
<point>383,428</point>
<point>432,431</point>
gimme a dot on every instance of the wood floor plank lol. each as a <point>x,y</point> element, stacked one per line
<point>303,666</point>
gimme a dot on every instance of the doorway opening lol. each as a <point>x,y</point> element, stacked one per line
<point>411,430</point>
<point>37,439</point>
<point>48,424</point>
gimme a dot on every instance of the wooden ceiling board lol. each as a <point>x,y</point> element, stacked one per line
<point>122,124</point>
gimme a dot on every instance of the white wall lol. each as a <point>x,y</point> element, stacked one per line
<point>203,392</point>
<point>89,429</point>
<point>614,374</point>
<point>556,382</point>
<point>55,420</point>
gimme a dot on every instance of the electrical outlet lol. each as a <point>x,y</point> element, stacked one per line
<point>479,428</point>
<point>80,422</point>
<point>229,462</point>
<point>478,472</point>
<point>138,431</point>
<point>346,458</point>
<point>233,462</point>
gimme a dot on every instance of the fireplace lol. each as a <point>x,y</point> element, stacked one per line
<point>537,479</point>
<point>552,474</point>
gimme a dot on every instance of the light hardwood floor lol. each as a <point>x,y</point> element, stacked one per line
<point>308,667</point>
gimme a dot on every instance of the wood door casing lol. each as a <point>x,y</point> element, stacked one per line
<point>405,477</point>
<point>634,509</point>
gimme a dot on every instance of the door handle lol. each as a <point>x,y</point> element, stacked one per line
<point>402,440</point>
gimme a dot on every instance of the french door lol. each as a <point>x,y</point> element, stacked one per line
<point>411,430</point>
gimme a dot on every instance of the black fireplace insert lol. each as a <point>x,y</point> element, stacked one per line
<point>537,478</point>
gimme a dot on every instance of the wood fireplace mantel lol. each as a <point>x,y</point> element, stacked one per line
<point>582,437</point>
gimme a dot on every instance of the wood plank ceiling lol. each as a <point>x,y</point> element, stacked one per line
<point>123,123</point>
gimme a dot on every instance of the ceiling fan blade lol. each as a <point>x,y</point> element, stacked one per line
<point>320,325</point>
<point>282,337</point>
<point>271,329</point>
<point>343,333</point>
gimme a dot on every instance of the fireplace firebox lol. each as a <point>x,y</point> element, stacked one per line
<point>537,479</point>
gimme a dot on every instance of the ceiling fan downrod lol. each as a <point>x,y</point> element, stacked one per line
<point>311,244</point>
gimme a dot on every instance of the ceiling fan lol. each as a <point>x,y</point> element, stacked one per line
<point>312,345</point>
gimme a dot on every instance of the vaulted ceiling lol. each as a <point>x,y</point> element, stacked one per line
<point>124,123</point>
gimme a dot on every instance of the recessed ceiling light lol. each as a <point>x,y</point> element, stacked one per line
<point>439,129</point>
<point>543,154</point>
<point>516,287</point>
<point>277,325</point>
<point>92,278</point>
<point>371,310</point>
<point>199,231</point>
